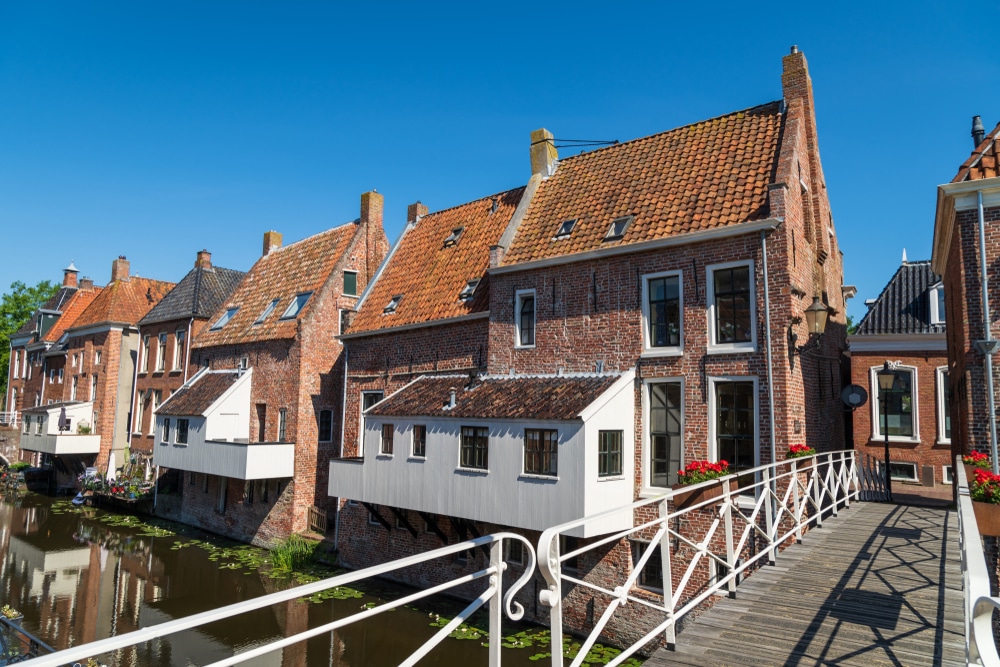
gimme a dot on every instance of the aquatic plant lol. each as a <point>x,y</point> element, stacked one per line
<point>292,554</point>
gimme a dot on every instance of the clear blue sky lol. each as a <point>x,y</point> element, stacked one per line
<point>153,130</point>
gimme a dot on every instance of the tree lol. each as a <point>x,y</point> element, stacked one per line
<point>851,326</point>
<point>16,307</point>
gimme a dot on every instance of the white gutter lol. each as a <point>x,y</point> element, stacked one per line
<point>987,349</point>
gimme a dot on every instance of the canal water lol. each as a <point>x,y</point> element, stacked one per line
<point>78,575</point>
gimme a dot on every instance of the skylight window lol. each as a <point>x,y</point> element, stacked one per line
<point>618,227</point>
<point>469,290</point>
<point>267,311</point>
<point>452,238</point>
<point>296,306</point>
<point>222,321</point>
<point>566,228</point>
<point>393,303</point>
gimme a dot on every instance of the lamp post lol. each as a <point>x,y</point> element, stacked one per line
<point>886,379</point>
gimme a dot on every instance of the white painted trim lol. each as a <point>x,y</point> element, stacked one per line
<point>666,350</point>
<point>98,328</point>
<point>933,298</point>
<point>713,380</point>
<point>518,297</point>
<point>630,248</point>
<point>939,399</point>
<point>729,348</point>
<point>644,487</point>
<point>944,475</point>
<point>916,471</point>
<point>524,451</point>
<point>416,325</point>
<point>361,415</point>
<point>625,381</point>
<point>902,343</point>
<point>876,402</point>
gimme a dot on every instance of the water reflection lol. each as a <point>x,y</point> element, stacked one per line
<point>77,580</point>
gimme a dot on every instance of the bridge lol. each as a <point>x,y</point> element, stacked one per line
<point>784,565</point>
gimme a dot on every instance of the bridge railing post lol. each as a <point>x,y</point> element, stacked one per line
<point>817,492</point>
<point>727,494</point>
<point>496,602</point>
<point>770,510</point>
<point>670,634</point>
<point>798,504</point>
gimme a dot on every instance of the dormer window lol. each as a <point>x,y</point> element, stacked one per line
<point>222,321</point>
<point>390,307</point>
<point>936,297</point>
<point>452,238</point>
<point>296,306</point>
<point>267,311</point>
<point>469,290</point>
<point>566,228</point>
<point>618,227</point>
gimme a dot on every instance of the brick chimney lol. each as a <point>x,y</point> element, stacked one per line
<point>414,211</point>
<point>272,241</point>
<point>86,283</point>
<point>543,153</point>
<point>376,244</point>
<point>119,269</point>
<point>204,260</point>
<point>70,275</point>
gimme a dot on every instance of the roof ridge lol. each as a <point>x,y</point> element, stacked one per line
<point>675,129</point>
<point>311,237</point>
<point>473,201</point>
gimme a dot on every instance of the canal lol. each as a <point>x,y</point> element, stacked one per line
<point>82,574</point>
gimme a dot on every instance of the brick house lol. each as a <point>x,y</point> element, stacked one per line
<point>98,352</point>
<point>166,332</point>
<point>266,405</point>
<point>905,326</point>
<point>678,265</point>
<point>968,209</point>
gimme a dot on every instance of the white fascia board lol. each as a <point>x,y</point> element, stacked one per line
<point>40,345</point>
<point>899,343</point>
<point>416,325</point>
<point>98,328</point>
<point>953,197</point>
<point>20,341</point>
<point>228,392</point>
<point>655,244</point>
<point>625,382</point>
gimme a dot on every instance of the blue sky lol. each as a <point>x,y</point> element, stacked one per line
<point>153,130</point>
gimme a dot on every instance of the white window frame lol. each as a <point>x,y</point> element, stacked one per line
<point>137,414</point>
<point>161,351</point>
<point>180,340</point>
<point>361,417</point>
<point>413,442</point>
<point>713,444</point>
<point>941,399</point>
<point>73,387</point>
<point>668,350</point>
<point>344,283</point>
<point>17,364</point>
<point>934,295</point>
<point>93,387</point>
<point>98,355</point>
<point>61,375</point>
<point>144,365</point>
<point>947,475</point>
<point>382,454</point>
<point>156,399</point>
<point>52,376</point>
<point>916,471</point>
<point>728,348</point>
<point>518,298</point>
<point>508,557</point>
<point>645,490</point>
<point>876,404</point>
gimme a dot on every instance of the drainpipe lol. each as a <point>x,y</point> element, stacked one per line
<point>45,381</point>
<point>187,351</point>
<point>987,348</point>
<point>767,335</point>
<point>343,415</point>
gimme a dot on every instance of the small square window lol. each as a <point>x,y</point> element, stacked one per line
<point>609,453</point>
<point>946,475</point>
<point>452,238</point>
<point>222,321</point>
<point>469,290</point>
<point>618,227</point>
<point>392,305</point>
<point>906,472</point>
<point>350,283</point>
<point>296,306</point>
<point>267,311</point>
<point>566,228</point>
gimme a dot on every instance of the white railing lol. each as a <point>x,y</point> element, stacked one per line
<point>775,503</point>
<point>499,603</point>
<point>9,418</point>
<point>980,644</point>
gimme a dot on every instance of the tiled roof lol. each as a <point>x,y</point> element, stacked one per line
<point>71,311</point>
<point>125,301</point>
<point>984,161</point>
<point>429,275</point>
<point>548,397</point>
<point>903,307</point>
<point>55,302</point>
<point>199,294</point>
<point>299,267</point>
<point>198,396</point>
<point>701,176</point>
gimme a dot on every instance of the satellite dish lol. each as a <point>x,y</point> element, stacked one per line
<point>854,396</point>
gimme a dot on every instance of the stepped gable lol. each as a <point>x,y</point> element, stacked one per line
<point>303,266</point>
<point>903,307</point>
<point>124,301</point>
<point>513,398</point>
<point>429,274</point>
<point>709,174</point>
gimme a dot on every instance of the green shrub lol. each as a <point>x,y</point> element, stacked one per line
<point>292,553</point>
<point>18,466</point>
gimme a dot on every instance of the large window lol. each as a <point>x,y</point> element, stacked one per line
<point>665,443</point>
<point>609,453</point>
<point>943,406</point>
<point>900,409</point>
<point>144,366</point>
<point>386,446</point>
<point>161,351</point>
<point>661,311</point>
<point>179,337</point>
<point>732,307</point>
<point>475,447</point>
<point>735,424</point>
<point>541,451</point>
<point>524,318</point>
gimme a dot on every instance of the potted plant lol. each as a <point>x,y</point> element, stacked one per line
<point>800,451</point>
<point>984,490</point>
<point>695,473</point>
<point>11,615</point>
<point>974,461</point>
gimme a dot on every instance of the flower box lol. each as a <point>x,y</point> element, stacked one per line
<point>685,499</point>
<point>987,518</point>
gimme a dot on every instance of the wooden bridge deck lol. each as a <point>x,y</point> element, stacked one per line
<point>879,585</point>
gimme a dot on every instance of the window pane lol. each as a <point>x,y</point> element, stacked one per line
<point>664,311</point>
<point>732,296</point>
<point>526,323</point>
<point>734,425</point>
<point>609,453</point>
<point>898,406</point>
<point>540,451</point>
<point>665,433</point>
<point>350,283</point>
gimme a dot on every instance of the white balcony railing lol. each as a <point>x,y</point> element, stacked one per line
<point>980,644</point>
<point>11,419</point>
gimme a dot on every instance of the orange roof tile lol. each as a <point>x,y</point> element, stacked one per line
<point>124,301</point>
<point>429,275</point>
<point>71,311</point>
<point>709,174</point>
<point>303,266</point>
<point>984,161</point>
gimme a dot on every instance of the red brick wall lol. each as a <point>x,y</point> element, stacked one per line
<point>109,343</point>
<point>259,522</point>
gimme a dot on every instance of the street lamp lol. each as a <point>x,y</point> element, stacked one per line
<point>886,379</point>
<point>816,316</point>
